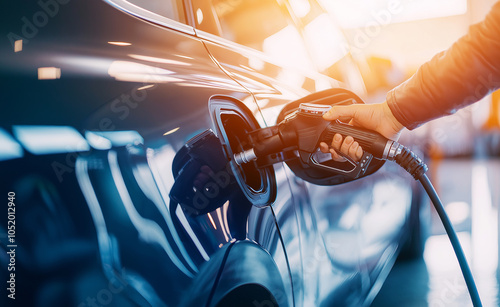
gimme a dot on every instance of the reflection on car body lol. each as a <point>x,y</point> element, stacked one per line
<point>119,120</point>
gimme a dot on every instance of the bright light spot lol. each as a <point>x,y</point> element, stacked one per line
<point>256,63</point>
<point>484,222</point>
<point>136,72</point>
<point>212,220</point>
<point>184,56</point>
<point>145,87</point>
<point>327,42</point>
<point>97,141</point>
<point>49,73</point>
<point>351,217</point>
<point>10,149</point>
<point>285,46</point>
<point>41,140</point>
<point>263,102</point>
<point>171,131</point>
<point>224,226</point>
<point>157,60</point>
<point>121,138</point>
<point>300,7</point>
<point>361,13</point>
<point>120,43</point>
<point>199,16</point>
<point>136,68</point>
<point>87,65</point>
<point>187,227</point>
<point>439,255</point>
<point>322,84</point>
<point>458,211</point>
<point>18,45</point>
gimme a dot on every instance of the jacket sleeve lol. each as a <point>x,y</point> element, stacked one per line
<point>452,79</point>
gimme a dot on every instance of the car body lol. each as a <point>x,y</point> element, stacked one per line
<point>118,120</point>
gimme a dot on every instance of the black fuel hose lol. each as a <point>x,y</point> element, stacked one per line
<point>417,168</point>
<point>452,235</point>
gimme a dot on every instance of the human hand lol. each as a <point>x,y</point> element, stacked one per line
<point>376,117</point>
<point>347,147</point>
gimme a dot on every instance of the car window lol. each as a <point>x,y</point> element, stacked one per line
<point>263,25</point>
<point>326,43</point>
<point>204,16</point>
<point>172,9</point>
<point>324,39</point>
<point>250,22</point>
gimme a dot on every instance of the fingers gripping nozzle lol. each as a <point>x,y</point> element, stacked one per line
<point>298,136</point>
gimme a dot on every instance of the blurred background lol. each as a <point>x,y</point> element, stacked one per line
<point>386,40</point>
<point>389,40</point>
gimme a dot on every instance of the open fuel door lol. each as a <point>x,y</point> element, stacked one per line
<point>233,122</point>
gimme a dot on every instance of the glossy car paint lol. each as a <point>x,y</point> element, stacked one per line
<point>104,223</point>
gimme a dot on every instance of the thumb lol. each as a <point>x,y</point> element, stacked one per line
<point>337,112</point>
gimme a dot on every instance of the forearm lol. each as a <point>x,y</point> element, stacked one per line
<point>455,78</point>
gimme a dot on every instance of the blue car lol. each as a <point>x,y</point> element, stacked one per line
<point>118,125</point>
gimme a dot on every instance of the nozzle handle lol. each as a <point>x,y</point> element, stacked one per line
<point>371,141</point>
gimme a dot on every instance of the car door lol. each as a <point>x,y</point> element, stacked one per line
<point>188,130</point>
<point>130,83</point>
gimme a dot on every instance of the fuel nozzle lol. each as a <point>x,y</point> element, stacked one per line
<point>298,131</point>
<point>371,141</point>
<point>298,137</point>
